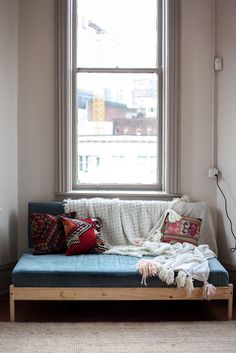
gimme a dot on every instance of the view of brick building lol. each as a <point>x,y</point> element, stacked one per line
<point>125,120</point>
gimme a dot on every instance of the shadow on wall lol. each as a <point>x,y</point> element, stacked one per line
<point>13,236</point>
<point>229,193</point>
<point>8,238</point>
<point>225,242</point>
<point>8,249</point>
<point>226,226</point>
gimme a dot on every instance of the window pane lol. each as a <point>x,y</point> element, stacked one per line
<point>116,33</point>
<point>117,128</point>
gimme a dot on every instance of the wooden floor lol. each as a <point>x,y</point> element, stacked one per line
<point>37,311</point>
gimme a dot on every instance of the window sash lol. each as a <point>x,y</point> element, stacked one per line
<point>117,186</point>
<point>119,70</point>
<point>168,79</point>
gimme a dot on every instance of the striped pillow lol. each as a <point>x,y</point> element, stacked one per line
<point>187,229</point>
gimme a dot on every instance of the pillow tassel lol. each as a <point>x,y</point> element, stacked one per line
<point>173,216</point>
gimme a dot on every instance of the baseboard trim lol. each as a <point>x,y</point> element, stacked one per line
<point>5,277</point>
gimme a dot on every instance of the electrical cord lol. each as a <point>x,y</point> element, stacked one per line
<point>232,250</point>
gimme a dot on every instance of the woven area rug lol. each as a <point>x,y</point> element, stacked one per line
<point>110,337</point>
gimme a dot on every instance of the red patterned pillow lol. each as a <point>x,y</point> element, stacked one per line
<point>83,235</point>
<point>187,229</point>
<point>48,235</point>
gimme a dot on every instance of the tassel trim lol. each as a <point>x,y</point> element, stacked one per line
<point>173,216</point>
<point>208,290</point>
<point>153,268</point>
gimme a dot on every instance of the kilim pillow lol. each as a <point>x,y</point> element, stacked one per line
<point>187,229</point>
<point>48,235</point>
<point>83,235</point>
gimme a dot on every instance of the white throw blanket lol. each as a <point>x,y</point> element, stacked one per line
<point>126,221</point>
<point>186,260</point>
<point>123,221</point>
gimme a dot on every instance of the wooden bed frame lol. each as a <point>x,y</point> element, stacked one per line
<point>108,293</point>
<point>92,293</point>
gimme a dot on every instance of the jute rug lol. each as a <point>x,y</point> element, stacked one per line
<point>109,337</point>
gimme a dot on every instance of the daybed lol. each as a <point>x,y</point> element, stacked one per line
<point>111,275</point>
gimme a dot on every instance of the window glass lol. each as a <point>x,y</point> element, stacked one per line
<point>117,125</point>
<point>116,33</point>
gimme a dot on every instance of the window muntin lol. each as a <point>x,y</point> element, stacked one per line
<point>117,96</point>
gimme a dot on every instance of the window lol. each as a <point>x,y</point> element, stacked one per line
<point>117,95</point>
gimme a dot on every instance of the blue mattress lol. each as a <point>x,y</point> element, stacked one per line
<point>91,270</point>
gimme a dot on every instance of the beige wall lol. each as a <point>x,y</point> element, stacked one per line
<point>226,48</point>
<point>8,131</point>
<point>37,103</point>
<point>196,56</point>
<point>36,107</point>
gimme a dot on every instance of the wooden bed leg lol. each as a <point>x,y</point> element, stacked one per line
<point>230,304</point>
<point>12,304</point>
<point>230,308</point>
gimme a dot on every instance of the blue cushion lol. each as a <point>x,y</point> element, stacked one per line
<point>92,270</point>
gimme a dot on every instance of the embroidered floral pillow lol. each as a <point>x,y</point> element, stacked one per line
<point>187,229</point>
<point>48,236</point>
<point>83,235</point>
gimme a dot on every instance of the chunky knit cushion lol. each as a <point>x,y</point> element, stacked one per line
<point>187,229</point>
<point>83,235</point>
<point>48,234</point>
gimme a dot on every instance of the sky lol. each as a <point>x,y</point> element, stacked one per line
<point>115,33</point>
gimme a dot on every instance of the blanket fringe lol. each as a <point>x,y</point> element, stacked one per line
<point>147,268</point>
<point>184,281</point>
<point>166,275</point>
<point>151,268</point>
<point>208,290</point>
<point>181,279</point>
<point>188,285</point>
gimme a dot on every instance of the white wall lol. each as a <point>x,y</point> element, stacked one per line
<point>226,48</point>
<point>36,108</point>
<point>8,131</point>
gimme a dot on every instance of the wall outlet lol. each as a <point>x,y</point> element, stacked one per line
<point>218,64</point>
<point>213,172</point>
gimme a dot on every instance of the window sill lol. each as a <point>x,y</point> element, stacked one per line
<point>122,194</point>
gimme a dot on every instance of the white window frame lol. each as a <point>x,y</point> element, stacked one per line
<point>169,82</point>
